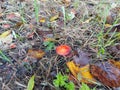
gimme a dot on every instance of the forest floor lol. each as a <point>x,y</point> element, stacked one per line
<point>32,29</point>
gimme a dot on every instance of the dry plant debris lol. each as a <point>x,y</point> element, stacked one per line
<point>107,72</point>
<point>32,33</point>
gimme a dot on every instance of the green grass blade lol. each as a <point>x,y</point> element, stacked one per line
<point>36,7</point>
<point>31,83</point>
<point>4,57</point>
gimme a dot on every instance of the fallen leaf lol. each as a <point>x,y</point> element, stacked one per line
<point>49,40</point>
<point>5,26</point>
<point>4,34</point>
<point>18,24</point>
<point>12,15</point>
<point>5,40</point>
<point>73,79</point>
<point>108,25</point>
<point>88,20</point>
<point>42,20</point>
<point>31,83</point>
<point>38,54</point>
<point>12,46</point>
<point>67,2</point>
<point>53,18</point>
<point>81,58</point>
<point>115,63</point>
<point>30,35</point>
<point>45,34</point>
<point>83,72</point>
<point>107,72</point>
<point>109,19</point>
<point>73,68</point>
<point>115,28</point>
<point>114,51</point>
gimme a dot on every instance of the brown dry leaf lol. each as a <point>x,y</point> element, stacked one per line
<point>45,34</point>
<point>107,72</point>
<point>116,28</point>
<point>18,24</point>
<point>12,15</point>
<point>30,35</point>
<point>115,63</point>
<point>81,58</point>
<point>114,51</point>
<point>66,1</point>
<point>72,78</point>
<point>109,19</point>
<point>38,54</point>
<point>83,71</point>
<point>53,18</point>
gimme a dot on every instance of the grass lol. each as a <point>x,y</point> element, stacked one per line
<point>36,7</point>
<point>101,42</point>
<point>22,13</point>
<point>64,15</point>
<point>83,31</point>
<point>4,57</point>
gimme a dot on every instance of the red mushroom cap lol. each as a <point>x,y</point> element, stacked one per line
<point>63,50</point>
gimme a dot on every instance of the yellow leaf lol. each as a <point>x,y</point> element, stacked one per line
<point>36,53</point>
<point>83,71</point>
<point>73,68</point>
<point>4,34</point>
<point>50,39</point>
<point>107,25</point>
<point>42,20</point>
<point>87,21</point>
<point>53,18</point>
<point>5,40</point>
<point>115,63</point>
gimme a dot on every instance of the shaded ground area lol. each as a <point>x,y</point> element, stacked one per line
<point>89,25</point>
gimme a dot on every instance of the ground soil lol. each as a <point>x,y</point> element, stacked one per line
<point>80,32</point>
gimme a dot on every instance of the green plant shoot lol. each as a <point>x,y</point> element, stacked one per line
<point>31,83</point>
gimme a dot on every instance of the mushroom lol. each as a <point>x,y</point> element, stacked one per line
<point>63,50</point>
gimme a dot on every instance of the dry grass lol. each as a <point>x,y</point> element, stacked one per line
<point>80,32</point>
